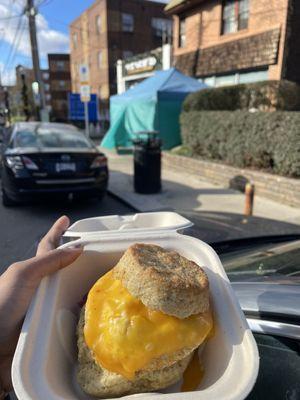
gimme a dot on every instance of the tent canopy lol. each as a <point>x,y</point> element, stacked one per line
<point>154,104</point>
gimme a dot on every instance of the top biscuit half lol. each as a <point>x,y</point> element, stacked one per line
<point>164,280</point>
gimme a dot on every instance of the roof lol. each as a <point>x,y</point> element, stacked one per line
<point>174,3</point>
<point>171,84</point>
<point>179,5</point>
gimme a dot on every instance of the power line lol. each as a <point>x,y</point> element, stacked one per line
<point>18,42</point>
<point>7,27</point>
<point>44,3</point>
<point>13,49</point>
<point>10,17</point>
<point>12,46</point>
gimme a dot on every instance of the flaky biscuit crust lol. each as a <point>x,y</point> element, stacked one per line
<point>164,280</point>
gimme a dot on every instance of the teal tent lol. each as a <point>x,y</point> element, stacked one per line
<point>154,104</point>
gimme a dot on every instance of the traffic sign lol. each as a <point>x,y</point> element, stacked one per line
<point>76,108</point>
<point>84,74</point>
<point>85,93</point>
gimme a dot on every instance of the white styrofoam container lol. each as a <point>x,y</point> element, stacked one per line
<point>151,221</point>
<point>44,366</point>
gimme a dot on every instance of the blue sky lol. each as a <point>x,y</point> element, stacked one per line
<point>52,27</point>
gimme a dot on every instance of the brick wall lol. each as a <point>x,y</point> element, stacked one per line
<point>291,67</point>
<point>274,187</point>
<point>203,31</point>
<point>60,85</point>
<point>89,43</point>
<point>111,40</point>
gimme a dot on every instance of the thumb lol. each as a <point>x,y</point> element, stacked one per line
<point>34,269</point>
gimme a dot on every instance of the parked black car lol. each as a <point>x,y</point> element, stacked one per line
<point>42,159</point>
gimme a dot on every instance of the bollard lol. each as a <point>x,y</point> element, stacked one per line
<point>249,199</point>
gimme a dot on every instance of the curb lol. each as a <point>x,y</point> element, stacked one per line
<point>121,200</point>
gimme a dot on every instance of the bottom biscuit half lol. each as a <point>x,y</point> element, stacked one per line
<point>99,382</point>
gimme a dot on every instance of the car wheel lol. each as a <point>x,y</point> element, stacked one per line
<point>7,201</point>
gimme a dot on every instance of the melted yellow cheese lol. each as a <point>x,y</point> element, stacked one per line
<point>193,374</point>
<point>124,335</point>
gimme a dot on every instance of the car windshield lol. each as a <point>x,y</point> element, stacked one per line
<point>51,138</point>
<point>270,262</point>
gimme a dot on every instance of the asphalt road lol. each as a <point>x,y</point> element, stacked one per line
<point>22,227</point>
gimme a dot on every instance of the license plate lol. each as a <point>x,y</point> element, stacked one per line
<point>65,167</point>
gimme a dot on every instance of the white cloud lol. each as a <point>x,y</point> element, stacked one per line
<point>8,77</point>
<point>49,40</point>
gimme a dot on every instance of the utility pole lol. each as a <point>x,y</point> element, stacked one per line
<point>25,97</point>
<point>31,13</point>
<point>7,104</point>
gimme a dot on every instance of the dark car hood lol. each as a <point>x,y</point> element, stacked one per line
<point>214,227</point>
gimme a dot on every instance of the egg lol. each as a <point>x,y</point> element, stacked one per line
<point>125,336</point>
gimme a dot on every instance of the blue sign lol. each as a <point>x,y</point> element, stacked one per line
<point>76,108</point>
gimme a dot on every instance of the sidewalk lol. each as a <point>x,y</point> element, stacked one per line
<point>186,192</point>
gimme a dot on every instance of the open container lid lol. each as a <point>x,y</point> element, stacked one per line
<point>140,222</point>
<point>45,361</point>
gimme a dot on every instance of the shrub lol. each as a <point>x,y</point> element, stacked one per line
<point>269,141</point>
<point>263,96</point>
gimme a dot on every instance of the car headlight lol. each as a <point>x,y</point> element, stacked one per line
<point>17,163</point>
<point>14,162</point>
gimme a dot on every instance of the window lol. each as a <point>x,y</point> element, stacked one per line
<point>60,65</point>
<point>253,76</point>
<point>45,76</point>
<point>127,22</point>
<point>127,53</point>
<point>48,97</point>
<point>52,137</point>
<point>243,14</point>
<point>236,78</point>
<point>235,15</point>
<point>46,87</point>
<point>161,27</point>
<point>226,80</point>
<point>61,84</point>
<point>98,24</point>
<point>75,40</point>
<point>99,59</point>
<point>182,37</point>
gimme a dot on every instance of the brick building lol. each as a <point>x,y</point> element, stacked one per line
<point>60,85</point>
<point>110,30</point>
<point>10,102</point>
<point>28,75</point>
<point>236,41</point>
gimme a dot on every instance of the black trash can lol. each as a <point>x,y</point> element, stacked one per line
<point>147,162</point>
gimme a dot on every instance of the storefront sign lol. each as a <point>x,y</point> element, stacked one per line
<point>144,63</point>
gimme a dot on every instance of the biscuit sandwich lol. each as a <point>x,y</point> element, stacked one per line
<point>142,322</point>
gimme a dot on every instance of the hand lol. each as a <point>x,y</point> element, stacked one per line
<point>17,287</point>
